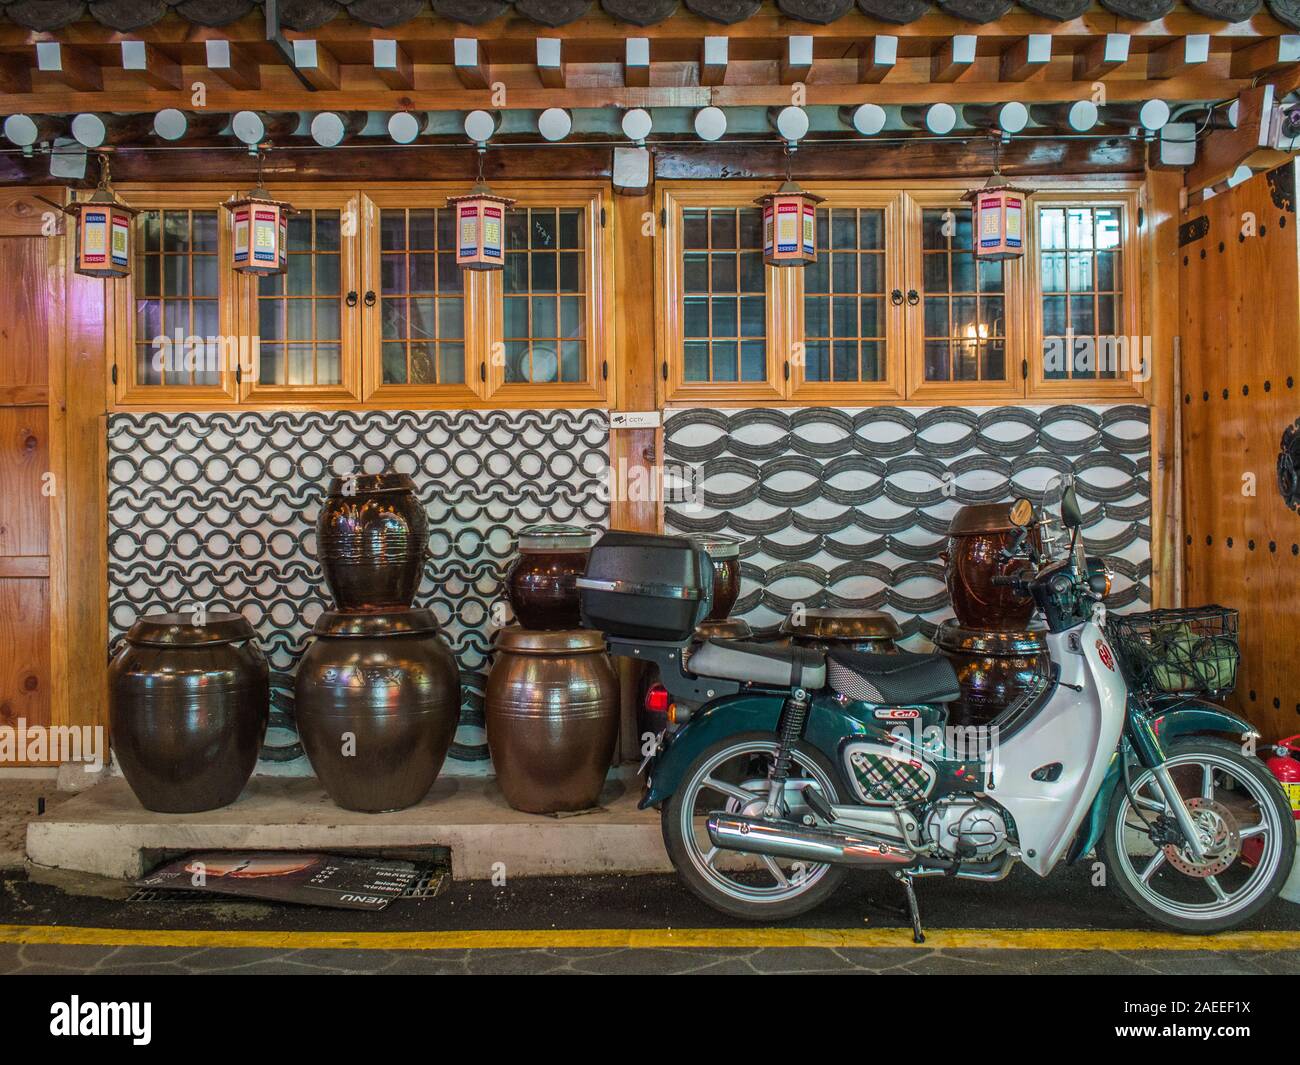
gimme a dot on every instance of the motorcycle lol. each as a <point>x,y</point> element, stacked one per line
<point>795,766</point>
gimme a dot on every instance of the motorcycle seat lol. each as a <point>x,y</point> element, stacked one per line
<point>760,663</point>
<point>892,680</point>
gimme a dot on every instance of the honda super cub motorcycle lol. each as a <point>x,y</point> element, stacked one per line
<point>796,766</point>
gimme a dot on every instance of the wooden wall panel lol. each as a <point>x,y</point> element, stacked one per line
<point>24,460</point>
<point>1240,298</point>
<point>24,652</point>
<point>24,324</point>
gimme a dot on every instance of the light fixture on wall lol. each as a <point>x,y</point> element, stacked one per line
<point>103,230</point>
<point>260,230</point>
<point>480,224</point>
<point>789,223</point>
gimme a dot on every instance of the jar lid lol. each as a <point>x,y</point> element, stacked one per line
<point>983,517</point>
<point>179,630</point>
<point>370,483</point>
<point>718,545</point>
<point>840,623</point>
<point>556,538</point>
<point>724,629</point>
<point>358,623</point>
<point>953,637</point>
<point>518,640</point>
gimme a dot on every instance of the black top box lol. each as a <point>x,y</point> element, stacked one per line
<point>644,587</point>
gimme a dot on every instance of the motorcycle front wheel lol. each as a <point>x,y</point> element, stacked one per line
<point>1245,828</point>
<point>731,775</point>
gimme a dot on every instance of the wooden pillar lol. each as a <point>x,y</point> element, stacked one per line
<point>1160,209</point>
<point>635,226</point>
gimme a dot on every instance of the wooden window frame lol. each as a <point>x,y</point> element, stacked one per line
<point>119,326</point>
<point>1013,293</point>
<point>892,386</point>
<point>599,314</point>
<point>375,392</point>
<point>1084,389</point>
<point>349,388</point>
<point>670,296</point>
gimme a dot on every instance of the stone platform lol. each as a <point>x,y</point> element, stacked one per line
<point>107,832</point>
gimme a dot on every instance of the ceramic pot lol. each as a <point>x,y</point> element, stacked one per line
<point>977,535</point>
<point>188,710</point>
<point>724,553</point>
<point>994,667</point>
<point>541,584</point>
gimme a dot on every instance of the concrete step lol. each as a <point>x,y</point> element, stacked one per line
<point>105,830</point>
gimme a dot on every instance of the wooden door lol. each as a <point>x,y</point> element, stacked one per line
<point>1240,294</point>
<point>25,480</point>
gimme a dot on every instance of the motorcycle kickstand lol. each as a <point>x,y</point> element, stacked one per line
<point>905,879</point>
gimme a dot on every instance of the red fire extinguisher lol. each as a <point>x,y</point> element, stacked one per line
<point>1286,768</point>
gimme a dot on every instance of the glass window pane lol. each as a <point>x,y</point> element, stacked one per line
<point>725,367</point>
<point>327,230</point>
<point>722,229</point>
<point>176,231</point>
<point>935,272</point>
<point>451,319</point>
<point>817,360</point>
<point>543,270</point>
<point>394,357</point>
<point>392,317</point>
<point>392,236</point>
<point>544,317</point>
<point>327,275</point>
<point>422,273</point>
<point>695,229</point>
<point>451,364</point>
<point>176,275</point>
<point>271,365</point>
<point>327,320</point>
<point>724,319</point>
<point>421,368</point>
<point>571,316</point>
<point>696,360</point>
<point>299,276</point>
<point>753,360</point>
<point>724,273</point>
<point>423,324</point>
<point>873,363</point>
<point>571,227</point>
<point>421,233</point>
<point>329,369</point>
<point>299,319</point>
<point>204,230</point>
<point>936,360</point>
<point>515,316</point>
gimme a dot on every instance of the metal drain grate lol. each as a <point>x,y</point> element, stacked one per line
<point>430,882</point>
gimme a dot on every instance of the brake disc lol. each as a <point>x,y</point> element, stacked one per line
<point>1219,836</point>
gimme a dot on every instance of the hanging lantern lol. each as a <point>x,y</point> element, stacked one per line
<point>789,225</point>
<point>259,243</point>
<point>480,228</point>
<point>103,231</point>
<point>999,219</point>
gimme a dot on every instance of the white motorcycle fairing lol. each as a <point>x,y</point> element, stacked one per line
<point>1078,729</point>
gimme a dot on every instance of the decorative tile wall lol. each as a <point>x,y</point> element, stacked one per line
<point>850,508</point>
<point>220,508</point>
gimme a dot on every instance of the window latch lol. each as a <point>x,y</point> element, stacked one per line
<point>787,369</point>
<point>482,371</point>
<point>664,369</point>
<point>114,373</point>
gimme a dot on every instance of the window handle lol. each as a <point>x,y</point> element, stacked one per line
<point>370,298</point>
<point>896,297</point>
<point>913,297</point>
<point>352,299</point>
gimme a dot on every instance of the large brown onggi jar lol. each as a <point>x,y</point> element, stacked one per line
<point>977,535</point>
<point>552,718</point>
<point>994,667</point>
<point>188,709</point>
<point>377,701</point>
<point>372,536</point>
<point>856,630</point>
<point>541,584</point>
<point>724,554</point>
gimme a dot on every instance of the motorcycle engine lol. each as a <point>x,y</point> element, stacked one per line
<point>965,828</point>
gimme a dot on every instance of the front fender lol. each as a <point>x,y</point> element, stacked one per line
<point>827,726</point>
<point>1150,733</point>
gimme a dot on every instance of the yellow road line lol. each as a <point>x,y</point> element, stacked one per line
<point>642,938</point>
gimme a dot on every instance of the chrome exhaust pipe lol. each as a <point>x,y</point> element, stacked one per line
<point>785,839</point>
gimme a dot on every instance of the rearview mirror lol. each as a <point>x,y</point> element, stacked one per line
<point>1071,516</point>
<point>1021,513</point>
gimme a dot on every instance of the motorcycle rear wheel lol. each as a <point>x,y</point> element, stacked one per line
<point>1234,799</point>
<point>731,775</point>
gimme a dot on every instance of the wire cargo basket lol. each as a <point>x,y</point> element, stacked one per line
<point>1182,650</point>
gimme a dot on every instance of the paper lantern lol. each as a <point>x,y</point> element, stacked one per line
<point>789,226</point>
<point>259,242</point>
<point>999,219</point>
<point>480,228</point>
<point>103,235</point>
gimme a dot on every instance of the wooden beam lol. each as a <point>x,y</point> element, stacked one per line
<point>636,62</point>
<point>1266,56</point>
<point>550,62</point>
<point>953,58</point>
<point>317,64</point>
<point>73,68</point>
<point>1178,56</point>
<point>15,74</point>
<point>393,65</point>
<point>796,59</point>
<point>154,67</point>
<point>713,61</point>
<point>468,61</point>
<point>1101,57</point>
<point>234,64</point>
<point>1027,57</point>
<point>877,58</point>
<point>1224,150</point>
